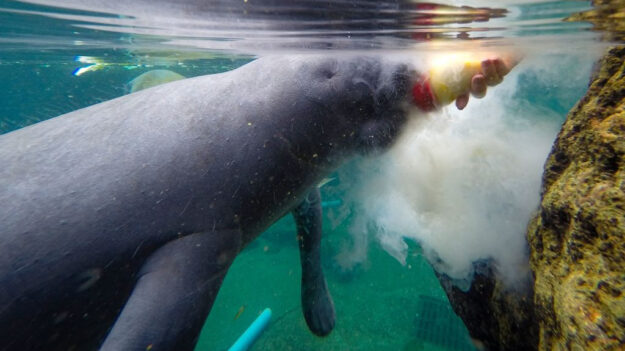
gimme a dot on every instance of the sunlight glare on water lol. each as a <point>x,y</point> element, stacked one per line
<point>268,26</point>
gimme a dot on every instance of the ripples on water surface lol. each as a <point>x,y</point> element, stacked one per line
<point>261,26</point>
<point>44,40</point>
<point>201,37</point>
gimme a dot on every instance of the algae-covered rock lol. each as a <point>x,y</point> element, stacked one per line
<point>577,239</point>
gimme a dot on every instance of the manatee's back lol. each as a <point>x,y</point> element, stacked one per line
<point>89,195</point>
<point>86,197</point>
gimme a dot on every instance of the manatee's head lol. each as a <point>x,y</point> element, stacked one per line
<point>367,100</point>
<point>385,106</point>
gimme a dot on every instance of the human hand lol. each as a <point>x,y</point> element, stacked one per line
<point>491,74</point>
<point>455,78</point>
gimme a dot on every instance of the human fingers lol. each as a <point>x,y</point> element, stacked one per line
<point>478,86</point>
<point>502,67</point>
<point>491,73</point>
<point>462,101</point>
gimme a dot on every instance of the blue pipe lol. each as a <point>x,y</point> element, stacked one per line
<point>245,341</point>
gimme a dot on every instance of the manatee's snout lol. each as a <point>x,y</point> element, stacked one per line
<point>391,101</point>
<point>364,99</point>
<point>393,85</point>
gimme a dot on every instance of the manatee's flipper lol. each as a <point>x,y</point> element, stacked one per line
<point>174,294</point>
<point>316,300</point>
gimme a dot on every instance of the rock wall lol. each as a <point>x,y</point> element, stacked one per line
<point>497,318</point>
<point>576,300</point>
<point>577,240</point>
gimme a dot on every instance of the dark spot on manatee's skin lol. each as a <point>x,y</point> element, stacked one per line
<point>224,257</point>
<point>88,278</point>
<point>60,317</point>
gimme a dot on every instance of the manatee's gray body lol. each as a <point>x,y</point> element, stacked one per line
<point>141,203</point>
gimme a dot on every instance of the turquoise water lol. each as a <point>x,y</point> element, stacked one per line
<point>377,303</point>
<point>381,303</point>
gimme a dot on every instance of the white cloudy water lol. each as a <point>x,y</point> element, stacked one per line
<point>463,184</point>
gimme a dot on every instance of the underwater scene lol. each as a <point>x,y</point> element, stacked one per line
<point>312,175</point>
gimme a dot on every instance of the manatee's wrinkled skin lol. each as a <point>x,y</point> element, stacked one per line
<point>119,221</point>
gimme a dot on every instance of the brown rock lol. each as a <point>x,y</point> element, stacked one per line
<point>577,240</point>
<point>498,318</point>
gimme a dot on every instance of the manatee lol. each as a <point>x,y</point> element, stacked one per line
<point>120,220</point>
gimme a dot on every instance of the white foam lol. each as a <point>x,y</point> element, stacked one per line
<point>465,183</point>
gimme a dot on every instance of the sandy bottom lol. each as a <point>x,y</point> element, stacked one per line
<point>380,305</point>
